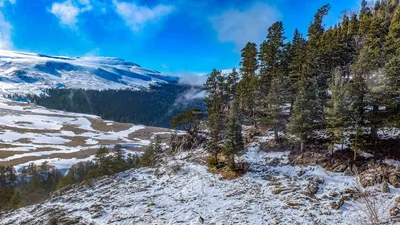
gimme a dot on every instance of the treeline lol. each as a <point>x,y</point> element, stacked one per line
<point>343,81</point>
<point>153,107</point>
<point>36,183</point>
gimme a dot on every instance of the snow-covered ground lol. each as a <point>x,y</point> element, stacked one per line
<point>29,133</point>
<point>31,73</point>
<point>182,191</point>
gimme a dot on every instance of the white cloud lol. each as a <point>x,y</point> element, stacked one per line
<point>240,27</point>
<point>5,33</point>
<point>67,12</point>
<point>193,79</point>
<point>5,28</point>
<point>137,17</point>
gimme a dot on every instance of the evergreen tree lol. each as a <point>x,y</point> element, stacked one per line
<point>296,65</point>
<point>311,95</point>
<point>214,110</point>
<point>234,141</point>
<point>248,84</point>
<point>249,63</point>
<point>337,113</point>
<point>392,68</point>
<point>274,58</point>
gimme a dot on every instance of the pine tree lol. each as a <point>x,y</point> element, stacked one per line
<point>311,95</point>
<point>270,55</point>
<point>232,84</point>
<point>248,84</point>
<point>273,78</point>
<point>316,61</point>
<point>337,113</point>
<point>214,109</point>
<point>249,61</point>
<point>392,68</point>
<point>234,140</point>
<point>296,65</point>
<point>357,103</point>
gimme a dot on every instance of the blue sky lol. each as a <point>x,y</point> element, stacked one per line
<point>172,36</point>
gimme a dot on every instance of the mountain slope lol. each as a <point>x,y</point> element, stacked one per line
<point>183,192</point>
<point>24,73</point>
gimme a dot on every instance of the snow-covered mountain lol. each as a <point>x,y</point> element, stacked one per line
<point>23,73</point>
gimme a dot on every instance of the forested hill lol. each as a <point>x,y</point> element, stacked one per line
<point>153,107</point>
<point>339,85</point>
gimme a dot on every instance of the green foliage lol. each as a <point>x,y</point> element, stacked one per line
<point>152,153</point>
<point>234,140</point>
<point>189,120</point>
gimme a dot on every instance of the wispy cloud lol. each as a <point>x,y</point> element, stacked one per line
<point>67,12</point>
<point>2,2</point>
<point>137,17</point>
<point>5,33</point>
<point>190,78</point>
<point>5,27</point>
<point>240,27</point>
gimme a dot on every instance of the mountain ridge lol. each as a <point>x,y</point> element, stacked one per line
<point>31,73</point>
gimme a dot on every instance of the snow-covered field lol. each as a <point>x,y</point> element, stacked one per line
<point>181,191</point>
<point>31,73</point>
<point>29,133</point>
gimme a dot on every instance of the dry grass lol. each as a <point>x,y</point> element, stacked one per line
<point>5,146</point>
<point>79,155</point>
<point>75,141</point>
<point>230,174</point>
<point>27,130</point>
<point>148,132</point>
<point>73,128</point>
<point>24,141</point>
<point>100,125</point>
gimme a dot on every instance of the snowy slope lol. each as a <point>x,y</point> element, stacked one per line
<point>31,73</point>
<point>189,194</point>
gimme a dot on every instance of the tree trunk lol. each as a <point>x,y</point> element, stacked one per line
<point>291,107</point>
<point>276,133</point>
<point>302,146</point>
<point>355,156</point>
<point>374,127</point>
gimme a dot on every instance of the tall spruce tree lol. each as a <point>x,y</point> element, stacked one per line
<point>296,65</point>
<point>214,107</point>
<point>274,77</point>
<point>234,140</point>
<point>248,84</point>
<point>338,111</point>
<point>311,95</point>
<point>392,68</point>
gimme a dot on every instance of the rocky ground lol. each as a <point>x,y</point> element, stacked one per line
<point>182,191</point>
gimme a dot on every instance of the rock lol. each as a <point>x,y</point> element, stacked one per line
<point>301,172</point>
<point>313,185</point>
<point>370,177</point>
<point>340,203</point>
<point>348,172</point>
<point>394,211</point>
<point>385,187</point>
<point>201,220</point>
<point>69,220</point>
<point>274,162</point>
<point>339,167</point>
<point>397,199</point>
<point>394,179</point>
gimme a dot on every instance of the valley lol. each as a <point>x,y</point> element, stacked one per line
<point>30,133</point>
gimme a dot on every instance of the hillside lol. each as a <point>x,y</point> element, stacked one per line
<point>29,133</point>
<point>182,191</point>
